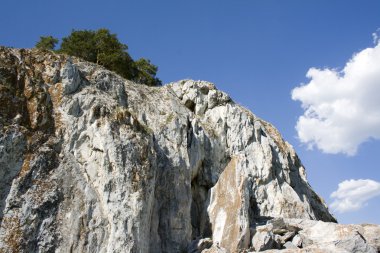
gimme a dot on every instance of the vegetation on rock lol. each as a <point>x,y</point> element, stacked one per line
<point>47,43</point>
<point>104,48</point>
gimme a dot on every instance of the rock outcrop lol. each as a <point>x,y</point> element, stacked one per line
<point>90,162</point>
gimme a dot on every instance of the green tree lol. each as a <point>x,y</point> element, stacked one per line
<point>112,54</point>
<point>80,44</point>
<point>46,43</point>
<point>100,47</point>
<point>104,48</point>
<point>146,72</point>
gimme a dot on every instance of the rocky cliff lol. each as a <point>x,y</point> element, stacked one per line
<point>90,162</point>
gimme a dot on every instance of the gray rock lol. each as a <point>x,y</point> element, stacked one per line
<point>96,163</point>
<point>290,245</point>
<point>71,79</point>
<point>371,233</point>
<point>264,239</point>
<point>317,236</point>
<point>215,249</point>
<point>199,245</point>
<point>297,241</point>
<point>288,236</point>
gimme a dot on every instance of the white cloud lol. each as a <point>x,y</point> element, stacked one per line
<point>341,108</point>
<point>354,194</point>
<point>376,36</point>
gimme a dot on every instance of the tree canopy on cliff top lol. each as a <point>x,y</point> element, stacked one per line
<point>104,48</point>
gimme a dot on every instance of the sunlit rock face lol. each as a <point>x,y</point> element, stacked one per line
<point>91,162</point>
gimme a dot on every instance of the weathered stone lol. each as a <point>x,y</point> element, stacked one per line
<point>91,162</point>
<point>318,236</point>
<point>228,211</point>
<point>297,241</point>
<point>288,236</point>
<point>71,79</point>
<point>290,245</point>
<point>215,249</point>
<point>263,241</point>
<point>372,234</point>
<point>197,246</point>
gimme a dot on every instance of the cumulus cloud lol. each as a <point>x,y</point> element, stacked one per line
<point>341,108</point>
<point>354,194</point>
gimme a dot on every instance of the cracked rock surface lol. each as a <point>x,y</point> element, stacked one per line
<point>91,162</point>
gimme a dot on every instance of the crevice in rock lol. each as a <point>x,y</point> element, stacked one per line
<point>254,212</point>
<point>190,105</point>
<point>189,134</point>
<point>200,221</point>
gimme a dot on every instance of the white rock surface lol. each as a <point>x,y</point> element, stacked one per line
<point>319,236</point>
<point>96,163</point>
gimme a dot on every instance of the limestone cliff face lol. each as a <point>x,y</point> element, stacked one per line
<point>90,162</point>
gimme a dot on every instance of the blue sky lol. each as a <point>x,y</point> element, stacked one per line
<point>257,51</point>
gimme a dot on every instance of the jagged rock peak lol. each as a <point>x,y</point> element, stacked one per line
<point>91,162</point>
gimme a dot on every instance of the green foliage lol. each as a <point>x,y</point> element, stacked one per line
<point>112,54</point>
<point>46,43</point>
<point>146,72</point>
<point>80,44</point>
<point>105,49</point>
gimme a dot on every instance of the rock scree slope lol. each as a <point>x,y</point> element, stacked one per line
<point>91,162</point>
